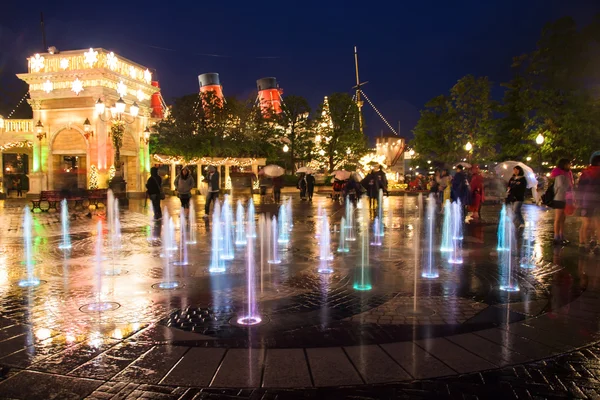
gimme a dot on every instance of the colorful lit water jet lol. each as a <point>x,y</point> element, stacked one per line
<point>284,224</point>
<point>429,268</point>
<point>217,265</point>
<point>506,233</point>
<point>350,234</point>
<point>376,233</point>
<point>342,245</point>
<point>457,222</point>
<point>191,238</point>
<point>274,257</point>
<point>240,228</point>
<point>64,222</point>
<point>183,250</point>
<point>362,279</point>
<point>446,246</point>
<point>380,227</point>
<point>325,255</point>
<point>99,305</point>
<point>228,252</point>
<point>251,316</point>
<point>527,247</point>
<point>31,279</point>
<point>250,220</point>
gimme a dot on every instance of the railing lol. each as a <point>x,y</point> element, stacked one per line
<point>18,125</point>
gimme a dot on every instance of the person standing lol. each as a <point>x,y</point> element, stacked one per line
<point>445,186</point>
<point>372,184</point>
<point>155,192</point>
<point>477,192</point>
<point>563,187</point>
<point>302,186</point>
<point>460,187</point>
<point>277,185</point>
<point>589,189</point>
<point>310,185</point>
<point>184,183</point>
<point>213,189</point>
<point>383,182</point>
<point>516,194</point>
<point>19,187</point>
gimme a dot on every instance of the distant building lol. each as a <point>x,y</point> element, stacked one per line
<point>392,147</point>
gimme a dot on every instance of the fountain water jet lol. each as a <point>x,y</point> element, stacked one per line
<point>362,280</point>
<point>457,221</point>
<point>376,233</point>
<point>240,228</point>
<point>250,220</point>
<point>191,239</point>
<point>27,226</point>
<point>228,252</point>
<point>380,227</point>
<point>252,316</point>
<point>99,305</point>
<point>527,252</point>
<point>284,224</point>
<point>506,233</point>
<point>183,250</point>
<point>168,282</point>
<point>349,226</point>
<point>446,246</point>
<point>64,221</point>
<point>325,248</point>
<point>430,270</point>
<point>217,264</point>
<point>274,257</point>
<point>342,245</point>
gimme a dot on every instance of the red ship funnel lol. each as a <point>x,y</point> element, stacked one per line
<point>155,103</point>
<point>210,82</point>
<point>269,95</point>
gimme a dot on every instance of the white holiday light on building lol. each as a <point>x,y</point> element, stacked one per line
<point>111,61</point>
<point>90,57</point>
<point>132,72</point>
<point>48,86</point>
<point>37,63</point>
<point>140,95</point>
<point>121,89</point>
<point>64,63</point>
<point>77,86</point>
<point>147,76</point>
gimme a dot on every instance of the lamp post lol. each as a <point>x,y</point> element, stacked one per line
<point>469,149</point>
<point>540,140</point>
<point>118,120</point>
<point>40,134</point>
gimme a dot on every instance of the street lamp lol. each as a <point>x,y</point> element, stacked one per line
<point>87,129</point>
<point>286,148</point>
<point>540,140</point>
<point>39,129</point>
<point>469,149</point>
<point>146,136</point>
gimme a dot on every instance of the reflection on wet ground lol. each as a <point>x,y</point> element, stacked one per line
<point>45,326</point>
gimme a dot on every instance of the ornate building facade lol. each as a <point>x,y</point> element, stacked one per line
<point>77,98</point>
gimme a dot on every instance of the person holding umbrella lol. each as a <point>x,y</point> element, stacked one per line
<point>310,184</point>
<point>213,189</point>
<point>516,194</point>
<point>477,192</point>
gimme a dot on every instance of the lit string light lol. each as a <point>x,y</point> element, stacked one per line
<point>244,162</point>
<point>19,144</point>
<point>18,104</point>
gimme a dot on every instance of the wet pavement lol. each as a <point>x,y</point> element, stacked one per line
<point>318,331</point>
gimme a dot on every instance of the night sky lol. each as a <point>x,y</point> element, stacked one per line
<point>409,51</point>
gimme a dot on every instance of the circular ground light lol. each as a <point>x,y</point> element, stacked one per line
<point>168,285</point>
<point>509,288</point>
<point>27,283</point>
<point>248,321</point>
<point>101,306</point>
<point>411,311</point>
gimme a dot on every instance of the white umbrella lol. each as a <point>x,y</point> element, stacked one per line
<point>505,171</point>
<point>273,170</point>
<point>341,174</point>
<point>464,164</point>
<point>304,170</point>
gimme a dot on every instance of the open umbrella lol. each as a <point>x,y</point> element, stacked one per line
<point>341,174</point>
<point>464,164</point>
<point>304,170</point>
<point>273,170</point>
<point>505,171</point>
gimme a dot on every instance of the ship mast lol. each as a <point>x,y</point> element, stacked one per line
<point>359,102</point>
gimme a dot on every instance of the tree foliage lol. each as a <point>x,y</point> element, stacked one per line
<point>296,128</point>
<point>339,137</point>
<point>449,122</point>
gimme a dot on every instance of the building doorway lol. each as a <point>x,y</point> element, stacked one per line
<point>69,172</point>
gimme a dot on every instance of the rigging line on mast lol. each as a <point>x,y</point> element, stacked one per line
<point>378,113</point>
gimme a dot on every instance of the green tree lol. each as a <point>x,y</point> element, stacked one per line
<point>449,122</point>
<point>553,93</point>
<point>338,137</point>
<point>296,128</point>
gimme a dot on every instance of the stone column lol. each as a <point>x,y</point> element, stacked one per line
<point>172,176</point>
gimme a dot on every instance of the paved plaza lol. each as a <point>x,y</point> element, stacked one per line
<point>456,336</point>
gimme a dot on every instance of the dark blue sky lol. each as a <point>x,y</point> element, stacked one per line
<point>409,51</point>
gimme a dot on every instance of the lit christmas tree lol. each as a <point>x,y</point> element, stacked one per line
<point>93,177</point>
<point>322,138</point>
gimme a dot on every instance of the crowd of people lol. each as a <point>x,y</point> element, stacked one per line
<point>562,193</point>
